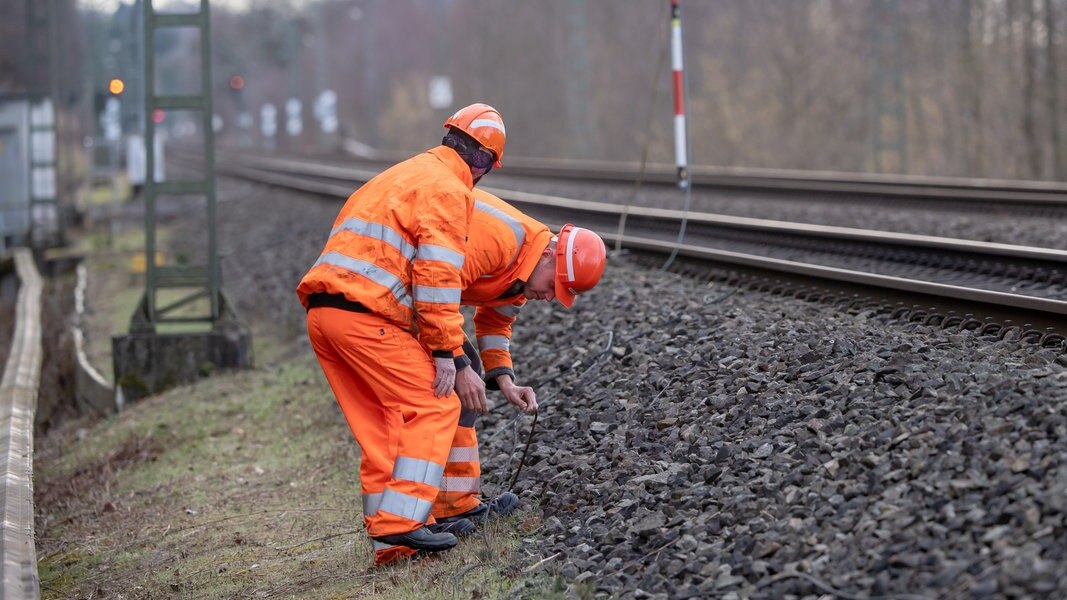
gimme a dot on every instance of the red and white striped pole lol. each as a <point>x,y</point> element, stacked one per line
<point>681,138</point>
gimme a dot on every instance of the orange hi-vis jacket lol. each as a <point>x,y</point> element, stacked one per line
<point>503,248</point>
<point>398,244</point>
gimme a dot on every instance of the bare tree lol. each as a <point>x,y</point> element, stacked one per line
<point>774,83</point>
<point>1031,142</point>
<point>1052,97</point>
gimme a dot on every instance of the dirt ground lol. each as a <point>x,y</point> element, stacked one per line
<point>55,398</point>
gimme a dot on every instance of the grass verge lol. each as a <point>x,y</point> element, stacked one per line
<point>243,485</point>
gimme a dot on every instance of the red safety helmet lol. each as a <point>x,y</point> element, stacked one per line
<point>483,123</point>
<point>580,259</point>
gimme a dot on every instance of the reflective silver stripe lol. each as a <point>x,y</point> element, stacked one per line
<point>475,124</point>
<point>431,252</point>
<point>418,470</point>
<point>464,454</point>
<point>460,484</point>
<point>378,232</point>
<point>493,342</point>
<point>424,293</point>
<point>370,504</point>
<point>370,271</point>
<point>509,310</point>
<point>377,546</point>
<point>515,226</point>
<point>403,505</point>
<point>570,254</point>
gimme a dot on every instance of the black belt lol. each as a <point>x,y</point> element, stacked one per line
<point>322,299</point>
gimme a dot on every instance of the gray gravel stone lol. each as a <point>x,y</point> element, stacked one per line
<point>731,443</point>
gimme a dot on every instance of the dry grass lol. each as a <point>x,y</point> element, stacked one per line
<point>244,485</point>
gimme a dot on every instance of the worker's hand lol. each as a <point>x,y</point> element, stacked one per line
<point>445,377</point>
<point>471,390</point>
<point>520,395</point>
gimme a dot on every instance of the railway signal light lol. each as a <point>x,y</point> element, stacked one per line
<point>237,83</point>
<point>116,86</point>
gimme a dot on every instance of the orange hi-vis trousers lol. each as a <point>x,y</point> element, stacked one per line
<point>383,381</point>
<point>461,484</point>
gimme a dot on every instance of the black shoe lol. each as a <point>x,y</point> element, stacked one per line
<point>458,527</point>
<point>420,539</point>
<point>503,505</point>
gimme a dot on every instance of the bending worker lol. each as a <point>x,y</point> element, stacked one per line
<point>392,266</point>
<point>511,258</point>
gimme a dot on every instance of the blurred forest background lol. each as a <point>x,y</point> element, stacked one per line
<point>772,83</point>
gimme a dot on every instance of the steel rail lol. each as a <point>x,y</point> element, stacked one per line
<point>602,217</point>
<point>1051,193</point>
<point>929,288</point>
<point>346,175</point>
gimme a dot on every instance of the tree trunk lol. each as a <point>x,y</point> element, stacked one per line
<point>1031,143</point>
<point>1052,98</point>
<point>974,22</point>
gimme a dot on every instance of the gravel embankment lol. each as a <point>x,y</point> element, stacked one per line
<point>758,446</point>
<point>724,447</point>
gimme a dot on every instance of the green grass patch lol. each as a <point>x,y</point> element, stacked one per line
<point>242,485</point>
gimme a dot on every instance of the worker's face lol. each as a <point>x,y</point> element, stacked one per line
<point>542,282</point>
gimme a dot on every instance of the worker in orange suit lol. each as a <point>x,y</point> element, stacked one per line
<point>383,318</point>
<point>511,258</point>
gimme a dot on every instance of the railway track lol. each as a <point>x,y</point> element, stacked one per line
<point>708,442</point>
<point>986,195</point>
<point>1002,288</point>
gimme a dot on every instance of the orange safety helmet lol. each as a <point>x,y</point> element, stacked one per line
<point>580,260</point>
<point>483,123</point>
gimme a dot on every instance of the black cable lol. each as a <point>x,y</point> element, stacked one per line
<point>648,140</point>
<point>533,426</point>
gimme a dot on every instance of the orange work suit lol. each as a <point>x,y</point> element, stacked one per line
<point>503,247</point>
<point>392,266</point>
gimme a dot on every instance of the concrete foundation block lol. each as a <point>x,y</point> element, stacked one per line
<point>147,363</point>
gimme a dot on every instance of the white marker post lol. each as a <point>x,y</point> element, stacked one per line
<point>681,134</point>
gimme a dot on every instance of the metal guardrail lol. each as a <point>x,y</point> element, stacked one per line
<point>18,405</point>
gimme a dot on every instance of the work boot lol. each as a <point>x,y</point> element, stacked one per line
<point>503,505</point>
<point>458,527</point>
<point>422,538</point>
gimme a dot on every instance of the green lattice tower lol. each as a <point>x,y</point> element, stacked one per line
<point>185,294</point>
